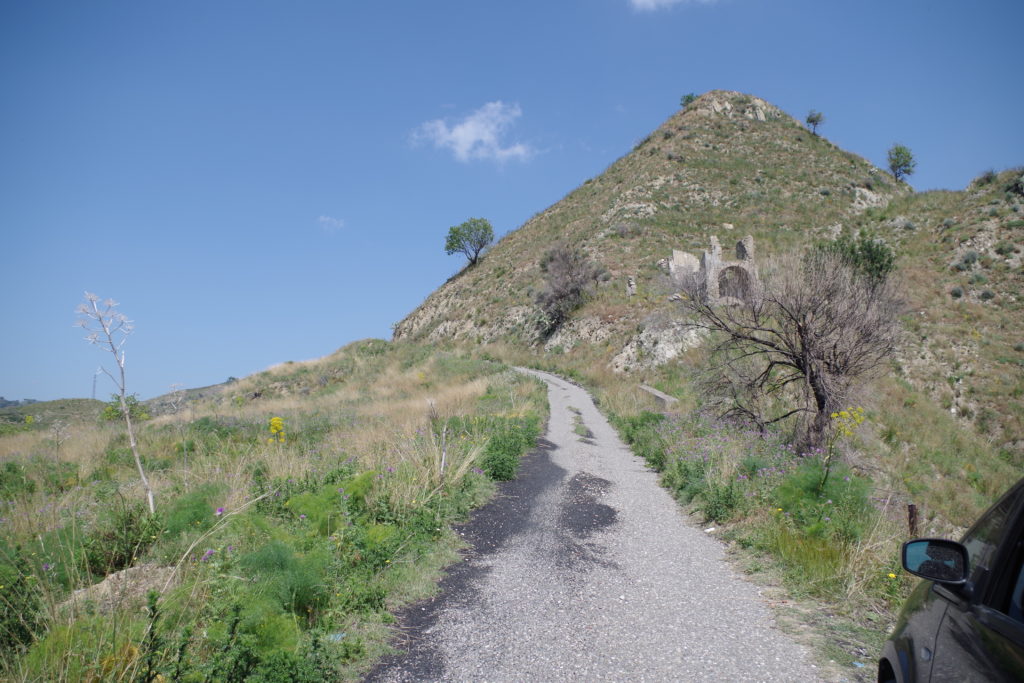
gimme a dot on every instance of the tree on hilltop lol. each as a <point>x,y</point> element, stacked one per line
<point>901,161</point>
<point>469,238</point>
<point>815,119</point>
<point>687,99</point>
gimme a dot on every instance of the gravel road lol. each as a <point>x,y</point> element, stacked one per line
<point>584,569</point>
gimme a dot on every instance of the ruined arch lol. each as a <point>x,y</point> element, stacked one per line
<point>734,282</point>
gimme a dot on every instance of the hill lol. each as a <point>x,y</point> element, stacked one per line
<point>729,165</point>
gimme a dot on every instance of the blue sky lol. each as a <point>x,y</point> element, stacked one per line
<point>257,182</point>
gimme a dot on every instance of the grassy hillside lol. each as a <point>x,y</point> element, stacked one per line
<point>296,510</point>
<point>727,165</point>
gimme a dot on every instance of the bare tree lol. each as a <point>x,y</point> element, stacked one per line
<point>569,278</point>
<point>109,330</point>
<point>798,347</point>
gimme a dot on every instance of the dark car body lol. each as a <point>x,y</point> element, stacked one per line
<point>968,627</point>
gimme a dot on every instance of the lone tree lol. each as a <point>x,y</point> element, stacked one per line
<point>819,326</point>
<point>687,99</point>
<point>469,238</point>
<point>901,161</point>
<point>815,119</point>
<point>109,330</point>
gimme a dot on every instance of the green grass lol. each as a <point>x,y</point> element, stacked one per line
<point>280,544</point>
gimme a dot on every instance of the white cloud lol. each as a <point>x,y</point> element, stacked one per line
<point>651,5</point>
<point>330,225</point>
<point>479,135</point>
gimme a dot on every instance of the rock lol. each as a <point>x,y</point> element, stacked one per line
<point>126,589</point>
<point>657,345</point>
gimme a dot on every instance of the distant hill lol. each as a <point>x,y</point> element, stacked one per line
<point>4,403</point>
<point>45,413</point>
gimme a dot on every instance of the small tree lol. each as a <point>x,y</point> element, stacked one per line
<point>815,119</point>
<point>569,278</point>
<point>109,330</point>
<point>901,161</point>
<point>865,254</point>
<point>687,99</point>
<point>112,411</point>
<point>469,238</point>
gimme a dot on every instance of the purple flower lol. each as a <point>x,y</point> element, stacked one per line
<point>47,566</point>
<point>302,516</point>
<point>219,512</point>
<point>207,555</point>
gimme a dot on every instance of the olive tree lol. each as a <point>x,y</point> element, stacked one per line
<point>901,161</point>
<point>815,119</point>
<point>469,238</point>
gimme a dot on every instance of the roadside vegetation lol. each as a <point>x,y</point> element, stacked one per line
<point>294,516</point>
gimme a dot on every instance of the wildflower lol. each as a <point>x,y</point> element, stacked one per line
<point>891,575</point>
<point>302,516</point>
<point>47,566</point>
<point>207,555</point>
<point>276,430</point>
<point>219,512</point>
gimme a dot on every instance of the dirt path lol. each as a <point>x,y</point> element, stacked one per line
<point>584,569</point>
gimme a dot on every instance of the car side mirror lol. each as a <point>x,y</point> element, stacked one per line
<point>937,559</point>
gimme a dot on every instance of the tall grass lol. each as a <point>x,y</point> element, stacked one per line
<point>269,553</point>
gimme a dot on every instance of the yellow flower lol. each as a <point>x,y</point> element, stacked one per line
<point>892,576</point>
<point>835,415</point>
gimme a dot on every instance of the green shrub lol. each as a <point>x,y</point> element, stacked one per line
<point>20,606</point>
<point>294,581</point>
<point>1004,248</point>
<point>121,535</point>
<point>193,511</point>
<point>641,433</point>
<point>721,502</point>
<point>509,440</point>
<point>840,509</point>
<point>83,649</point>
<point>956,292</point>
<point>112,410</point>
<point>987,295</point>
<point>14,481</point>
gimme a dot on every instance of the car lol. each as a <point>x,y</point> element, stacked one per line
<point>965,621</point>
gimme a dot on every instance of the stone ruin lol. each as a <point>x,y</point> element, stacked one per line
<point>718,281</point>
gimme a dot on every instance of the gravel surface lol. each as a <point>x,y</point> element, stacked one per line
<point>584,569</point>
